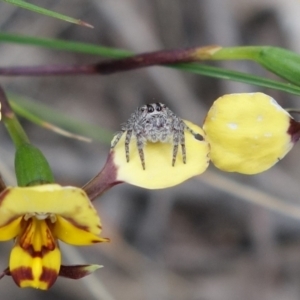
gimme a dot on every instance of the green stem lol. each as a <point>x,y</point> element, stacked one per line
<point>11,122</point>
<point>238,53</point>
<point>31,166</point>
<point>15,131</point>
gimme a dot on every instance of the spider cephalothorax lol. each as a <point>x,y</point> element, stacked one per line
<point>153,123</point>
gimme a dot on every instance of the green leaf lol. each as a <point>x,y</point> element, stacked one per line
<point>31,166</point>
<point>47,12</point>
<point>280,61</point>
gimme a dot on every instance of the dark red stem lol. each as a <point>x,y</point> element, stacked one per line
<point>164,57</point>
<point>104,180</point>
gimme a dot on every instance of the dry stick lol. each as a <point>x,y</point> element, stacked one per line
<point>164,57</point>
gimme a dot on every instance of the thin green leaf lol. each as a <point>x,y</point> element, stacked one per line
<point>238,76</point>
<point>21,111</point>
<point>118,53</point>
<point>57,44</point>
<point>41,111</point>
<point>49,13</point>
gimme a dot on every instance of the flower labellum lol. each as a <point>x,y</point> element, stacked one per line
<point>159,172</point>
<point>36,217</point>
<point>248,133</point>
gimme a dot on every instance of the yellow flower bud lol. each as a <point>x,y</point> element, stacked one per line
<point>248,133</point>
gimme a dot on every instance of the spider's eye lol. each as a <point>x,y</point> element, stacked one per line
<point>143,108</point>
<point>150,109</point>
<point>158,107</point>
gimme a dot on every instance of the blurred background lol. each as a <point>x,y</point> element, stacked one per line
<point>211,238</point>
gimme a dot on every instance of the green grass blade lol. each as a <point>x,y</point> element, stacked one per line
<point>21,111</point>
<point>41,111</point>
<point>46,12</point>
<point>238,76</point>
<point>57,44</point>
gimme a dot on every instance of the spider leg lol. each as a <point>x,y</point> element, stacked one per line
<point>117,138</point>
<point>175,147</point>
<point>127,142</point>
<point>140,146</point>
<point>196,135</point>
<point>183,150</point>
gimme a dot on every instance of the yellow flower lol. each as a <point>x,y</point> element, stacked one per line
<point>36,217</point>
<point>159,172</point>
<point>249,133</point>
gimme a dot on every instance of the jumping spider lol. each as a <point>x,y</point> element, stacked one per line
<point>154,122</point>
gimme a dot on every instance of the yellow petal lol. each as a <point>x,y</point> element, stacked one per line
<point>159,172</point>
<point>248,133</point>
<point>35,259</point>
<point>10,230</point>
<point>71,233</point>
<point>70,202</point>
